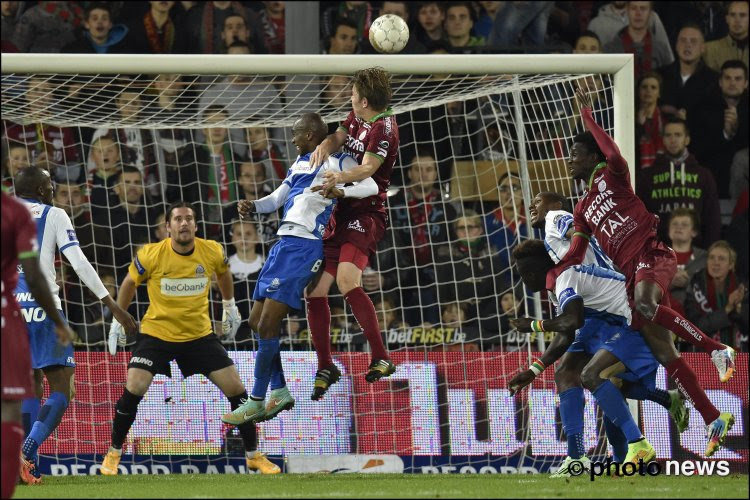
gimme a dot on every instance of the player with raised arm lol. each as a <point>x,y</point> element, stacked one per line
<point>370,134</point>
<point>293,261</point>
<point>20,253</point>
<point>589,293</point>
<point>55,230</point>
<point>626,231</point>
<point>178,271</point>
<point>546,213</point>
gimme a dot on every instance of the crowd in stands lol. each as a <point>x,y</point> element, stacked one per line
<point>442,277</point>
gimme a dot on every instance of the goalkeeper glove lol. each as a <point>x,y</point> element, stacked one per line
<point>116,337</point>
<point>230,319</point>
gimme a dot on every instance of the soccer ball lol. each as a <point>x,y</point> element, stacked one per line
<point>389,34</point>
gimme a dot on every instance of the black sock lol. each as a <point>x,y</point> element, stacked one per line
<point>247,430</point>
<point>125,411</point>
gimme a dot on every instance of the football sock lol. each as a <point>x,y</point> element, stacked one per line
<point>267,350</point>
<point>29,413</point>
<point>12,437</point>
<point>247,430</point>
<point>50,415</point>
<point>319,322</point>
<point>364,312</point>
<point>277,373</point>
<point>686,381</point>
<point>571,413</point>
<point>641,393</point>
<point>613,405</point>
<point>125,411</point>
<point>673,321</point>
<point>617,440</point>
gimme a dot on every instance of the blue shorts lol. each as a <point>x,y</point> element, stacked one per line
<point>45,351</point>
<point>291,264</point>
<point>631,349</point>
<point>588,337</point>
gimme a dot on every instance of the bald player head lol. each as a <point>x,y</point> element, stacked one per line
<point>307,132</point>
<point>541,204</point>
<point>34,183</point>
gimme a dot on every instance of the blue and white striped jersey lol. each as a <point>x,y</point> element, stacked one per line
<point>602,290</point>
<point>556,224</point>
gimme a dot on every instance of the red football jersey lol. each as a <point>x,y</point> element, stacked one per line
<point>18,238</point>
<point>610,209</point>
<point>379,137</point>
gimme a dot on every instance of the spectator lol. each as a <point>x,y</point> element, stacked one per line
<point>105,153</point>
<point>677,180</point>
<point>389,316</point>
<point>95,240</point>
<point>130,219</point>
<point>649,120</point>
<point>337,93</point>
<point>734,45</point>
<point>253,186</point>
<point>251,97</point>
<point>613,17</point>
<point>419,218</point>
<point>156,32</point>
<point>587,43</point>
<point>245,265</point>
<point>737,234</point>
<point>360,14</point>
<point>717,301</point>
<point>496,329</point>
<point>487,13</point>
<point>261,149</point>
<point>343,39</point>
<point>687,81</point>
<point>683,229</point>
<point>636,38</point>
<point>16,157</point>
<point>465,270</point>
<point>499,145</point>
<point>430,17</point>
<point>506,225</point>
<point>47,27</point>
<point>207,32</point>
<point>459,21</point>
<point>100,35</point>
<point>738,175</point>
<point>720,125</point>
<point>169,100</point>
<point>11,13</point>
<point>272,19</point>
<point>525,19</point>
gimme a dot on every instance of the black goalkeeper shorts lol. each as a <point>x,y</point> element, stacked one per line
<point>203,355</point>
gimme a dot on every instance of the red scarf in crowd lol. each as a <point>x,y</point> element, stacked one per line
<point>651,143</point>
<point>644,61</point>
<point>69,12</point>
<point>160,44</point>
<point>419,213</point>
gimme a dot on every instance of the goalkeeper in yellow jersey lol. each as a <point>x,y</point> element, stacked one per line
<point>177,326</point>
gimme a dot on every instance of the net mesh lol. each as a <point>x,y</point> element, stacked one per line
<point>474,149</point>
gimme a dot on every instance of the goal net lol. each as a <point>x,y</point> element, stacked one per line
<point>124,136</point>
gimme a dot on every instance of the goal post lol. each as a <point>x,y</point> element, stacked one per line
<point>484,118</point>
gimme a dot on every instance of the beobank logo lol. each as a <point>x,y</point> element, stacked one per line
<point>183,287</point>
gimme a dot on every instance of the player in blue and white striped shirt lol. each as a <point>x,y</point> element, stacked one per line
<point>293,261</point>
<point>54,231</point>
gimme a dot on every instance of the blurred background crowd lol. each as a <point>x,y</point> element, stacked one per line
<point>442,278</point>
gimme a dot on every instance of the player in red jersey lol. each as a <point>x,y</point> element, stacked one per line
<point>370,134</point>
<point>19,245</point>
<point>626,231</point>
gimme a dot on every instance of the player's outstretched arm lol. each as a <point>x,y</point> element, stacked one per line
<point>565,325</point>
<point>615,161</point>
<point>330,145</point>
<point>267,204</point>
<point>370,164</point>
<point>40,291</point>
<point>363,189</point>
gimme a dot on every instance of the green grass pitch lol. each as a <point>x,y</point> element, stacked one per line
<point>383,486</point>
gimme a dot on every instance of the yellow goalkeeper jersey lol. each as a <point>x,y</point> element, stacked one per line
<point>178,288</point>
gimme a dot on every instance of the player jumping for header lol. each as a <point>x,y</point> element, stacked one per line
<point>293,261</point>
<point>370,134</point>
<point>626,231</point>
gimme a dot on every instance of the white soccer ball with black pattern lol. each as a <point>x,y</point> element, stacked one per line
<point>389,34</point>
